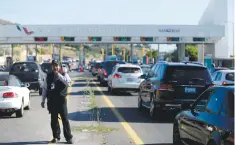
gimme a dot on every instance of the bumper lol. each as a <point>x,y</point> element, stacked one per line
<point>175,102</point>
<point>10,105</point>
<point>119,85</point>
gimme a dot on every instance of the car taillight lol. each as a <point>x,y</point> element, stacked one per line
<point>9,95</point>
<point>165,87</point>
<point>224,83</point>
<point>117,76</point>
<point>105,73</point>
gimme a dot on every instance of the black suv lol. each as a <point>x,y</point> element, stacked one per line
<point>29,72</point>
<point>172,84</point>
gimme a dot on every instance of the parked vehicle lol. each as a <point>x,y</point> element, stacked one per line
<point>209,120</point>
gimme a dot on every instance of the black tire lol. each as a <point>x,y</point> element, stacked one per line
<point>152,110</point>
<point>109,89</point>
<point>176,135</point>
<point>20,112</point>
<point>28,107</point>
<point>140,101</point>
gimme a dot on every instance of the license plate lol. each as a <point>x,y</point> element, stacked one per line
<point>189,90</point>
<point>130,79</point>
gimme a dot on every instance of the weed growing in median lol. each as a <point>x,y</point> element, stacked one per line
<point>97,129</point>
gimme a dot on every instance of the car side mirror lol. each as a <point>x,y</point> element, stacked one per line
<point>143,76</point>
<point>185,106</point>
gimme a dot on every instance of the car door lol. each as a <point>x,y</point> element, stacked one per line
<point>146,86</point>
<point>187,127</point>
<point>206,119</point>
<point>24,91</point>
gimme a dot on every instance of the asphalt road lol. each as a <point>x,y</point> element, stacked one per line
<point>119,111</point>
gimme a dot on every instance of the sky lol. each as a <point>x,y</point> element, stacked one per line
<point>159,12</point>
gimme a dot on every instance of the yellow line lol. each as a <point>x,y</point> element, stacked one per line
<point>125,125</point>
<point>69,91</point>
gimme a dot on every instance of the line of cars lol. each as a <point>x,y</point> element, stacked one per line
<point>15,86</point>
<point>206,101</point>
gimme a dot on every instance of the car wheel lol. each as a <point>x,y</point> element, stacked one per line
<point>28,106</point>
<point>140,107</point>
<point>176,135</point>
<point>20,112</point>
<point>152,110</point>
<point>109,89</point>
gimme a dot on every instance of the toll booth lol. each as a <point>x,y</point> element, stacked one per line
<point>145,59</point>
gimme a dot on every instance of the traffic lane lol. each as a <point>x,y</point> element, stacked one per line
<point>150,132</point>
<point>32,128</point>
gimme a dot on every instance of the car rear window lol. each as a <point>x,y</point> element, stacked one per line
<point>229,76</point>
<point>97,65</point>
<point>24,67</point>
<point>129,70</point>
<point>111,64</point>
<point>188,75</point>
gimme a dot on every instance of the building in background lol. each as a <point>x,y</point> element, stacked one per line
<point>220,12</point>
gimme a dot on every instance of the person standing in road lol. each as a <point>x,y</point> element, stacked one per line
<point>55,91</point>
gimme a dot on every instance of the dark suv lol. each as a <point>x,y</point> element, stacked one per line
<point>172,84</point>
<point>107,68</point>
<point>29,72</point>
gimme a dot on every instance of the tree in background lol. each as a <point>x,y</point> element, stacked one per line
<point>152,53</point>
<point>191,51</point>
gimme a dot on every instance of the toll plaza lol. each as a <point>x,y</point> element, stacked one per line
<point>113,34</point>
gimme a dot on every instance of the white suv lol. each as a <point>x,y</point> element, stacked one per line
<point>125,77</point>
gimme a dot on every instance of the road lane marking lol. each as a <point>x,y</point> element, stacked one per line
<point>67,98</point>
<point>125,125</point>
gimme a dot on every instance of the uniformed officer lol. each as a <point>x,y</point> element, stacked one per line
<point>55,90</point>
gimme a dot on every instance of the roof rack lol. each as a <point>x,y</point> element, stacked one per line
<point>192,62</point>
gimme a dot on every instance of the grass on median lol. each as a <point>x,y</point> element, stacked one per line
<point>98,129</point>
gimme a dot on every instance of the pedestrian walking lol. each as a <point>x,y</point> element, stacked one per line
<point>55,91</point>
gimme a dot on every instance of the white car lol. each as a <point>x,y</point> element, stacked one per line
<point>14,96</point>
<point>125,77</point>
<point>223,77</point>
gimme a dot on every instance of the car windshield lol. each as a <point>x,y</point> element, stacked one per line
<point>111,64</point>
<point>24,67</point>
<point>97,65</point>
<point>129,70</point>
<point>229,76</point>
<point>188,74</point>
<point>45,66</point>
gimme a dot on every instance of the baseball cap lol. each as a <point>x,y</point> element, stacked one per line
<point>55,62</point>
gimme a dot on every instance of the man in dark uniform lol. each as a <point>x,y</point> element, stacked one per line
<point>55,90</point>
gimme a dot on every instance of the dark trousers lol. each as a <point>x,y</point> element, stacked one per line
<point>63,111</point>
